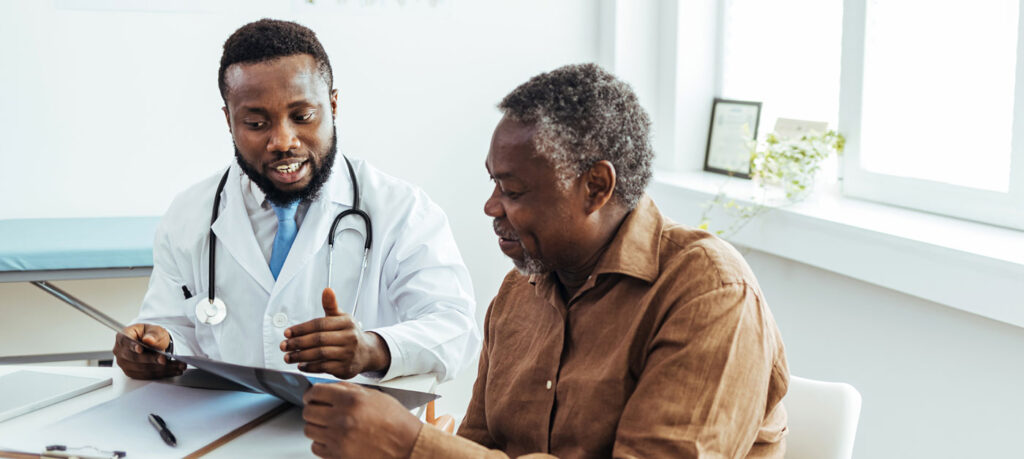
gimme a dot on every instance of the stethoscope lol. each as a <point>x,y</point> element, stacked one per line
<point>212,311</point>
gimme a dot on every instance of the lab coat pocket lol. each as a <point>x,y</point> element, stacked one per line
<point>206,334</point>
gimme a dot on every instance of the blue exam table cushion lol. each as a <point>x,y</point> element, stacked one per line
<point>39,244</point>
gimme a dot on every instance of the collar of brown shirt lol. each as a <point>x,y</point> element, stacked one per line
<point>633,252</point>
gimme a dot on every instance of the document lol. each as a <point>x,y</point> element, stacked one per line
<point>290,386</point>
<point>197,417</point>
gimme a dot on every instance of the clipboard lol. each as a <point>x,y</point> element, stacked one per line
<point>287,386</point>
<point>203,420</point>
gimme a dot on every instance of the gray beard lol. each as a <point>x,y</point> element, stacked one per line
<point>529,265</point>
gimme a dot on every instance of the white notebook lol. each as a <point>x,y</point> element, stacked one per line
<point>24,391</point>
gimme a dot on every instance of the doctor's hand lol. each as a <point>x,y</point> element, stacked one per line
<point>139,363</point>
<point>346,420</point>
<point>334,344</point>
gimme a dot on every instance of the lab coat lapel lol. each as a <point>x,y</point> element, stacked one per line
<point>316,225</point>
<point>234,232</point>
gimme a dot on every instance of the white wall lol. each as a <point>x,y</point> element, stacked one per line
<point>936,382</point>
<point>107,113</point>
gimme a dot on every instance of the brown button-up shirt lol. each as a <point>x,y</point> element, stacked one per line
<point>668,350</point>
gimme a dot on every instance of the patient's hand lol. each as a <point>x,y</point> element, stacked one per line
<point>346,420</point>
<point>334,344</point>
<point>138,362</point>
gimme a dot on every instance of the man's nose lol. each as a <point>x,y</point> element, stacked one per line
<point>493,207</point>
<point>283,138</point>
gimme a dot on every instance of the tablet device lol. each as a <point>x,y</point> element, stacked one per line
<point>25,391</point>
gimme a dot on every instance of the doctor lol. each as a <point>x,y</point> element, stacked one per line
<point>259,298</point>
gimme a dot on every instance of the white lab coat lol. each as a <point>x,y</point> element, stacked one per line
<point>416,293</point>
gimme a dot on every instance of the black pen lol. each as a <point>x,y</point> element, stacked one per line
<point>161,427</point>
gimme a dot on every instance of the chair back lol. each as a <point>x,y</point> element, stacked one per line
<point>823,419</point>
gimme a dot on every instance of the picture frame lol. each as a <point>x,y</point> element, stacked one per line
<point>732,130</point>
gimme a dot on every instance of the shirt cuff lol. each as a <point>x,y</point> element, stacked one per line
<point>397,366</point>
<point>433,442</point>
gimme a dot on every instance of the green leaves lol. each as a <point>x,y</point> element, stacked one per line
<point>789,164</point>
<point>793,163</point>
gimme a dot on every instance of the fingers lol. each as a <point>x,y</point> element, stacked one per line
<point>334,394</point>
<point>127,346</point>
<point>140,363</point>
<point>344,338</point>
<point>330,303</point>
<point>317,415</point>
<point>134,331</point>
<point>331,323</point>
<point>341,370</point>
<point>137,370</point>
<point>145,365</point>
<point>321,449</point>
<point>337,353</point>
<point>156,336</point>
<point>343,354</point>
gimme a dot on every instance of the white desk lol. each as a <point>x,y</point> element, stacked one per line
<point>280,437</point>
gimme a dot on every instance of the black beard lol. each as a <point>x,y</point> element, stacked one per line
<point>321,172</point>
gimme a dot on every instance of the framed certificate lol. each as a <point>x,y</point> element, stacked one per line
<point>731,136</point>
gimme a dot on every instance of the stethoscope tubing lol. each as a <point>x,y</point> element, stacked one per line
<point>213,237</point>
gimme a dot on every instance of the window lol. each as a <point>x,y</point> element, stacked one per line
<point>784,54</point>
<point>925,92</point>
<point>929,103</point>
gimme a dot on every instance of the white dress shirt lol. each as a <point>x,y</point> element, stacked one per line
<point>262,216</point>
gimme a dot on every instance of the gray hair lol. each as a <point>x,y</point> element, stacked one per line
<point>583,115</point>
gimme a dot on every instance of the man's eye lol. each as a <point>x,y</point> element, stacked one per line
<point>512,195</point>
<point>304,116</point>
<point>254,124</point>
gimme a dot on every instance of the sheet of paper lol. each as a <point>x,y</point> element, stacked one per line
<point>197,417</point>
<point>794,129</point>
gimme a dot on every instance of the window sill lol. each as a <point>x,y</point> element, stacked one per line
<point>969,266</point>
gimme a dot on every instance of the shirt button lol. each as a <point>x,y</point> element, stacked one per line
<point>280,319</point>
<point>549,384</point>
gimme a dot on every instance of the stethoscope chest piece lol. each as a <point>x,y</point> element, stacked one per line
<point>211,312</point>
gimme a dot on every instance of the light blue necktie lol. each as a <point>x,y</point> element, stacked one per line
<point>286,231</point>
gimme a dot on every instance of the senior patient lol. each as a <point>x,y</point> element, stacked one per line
<point>620,333</point>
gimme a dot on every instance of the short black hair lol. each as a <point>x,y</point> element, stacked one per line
<point>583,115</point>
<point>269,39</point>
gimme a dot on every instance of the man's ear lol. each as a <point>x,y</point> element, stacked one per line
<point>227,116</point>
<point>334,103</point>
<point>599,185</point>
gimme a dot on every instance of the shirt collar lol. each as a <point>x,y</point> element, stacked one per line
<point>254,191</point>
<point>634,251</point>
<point>338,188</point>
<point>635,247</point>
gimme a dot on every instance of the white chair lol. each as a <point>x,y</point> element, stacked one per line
<point>822,419</point>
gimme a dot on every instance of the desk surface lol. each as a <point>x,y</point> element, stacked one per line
<point>280,437</point>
